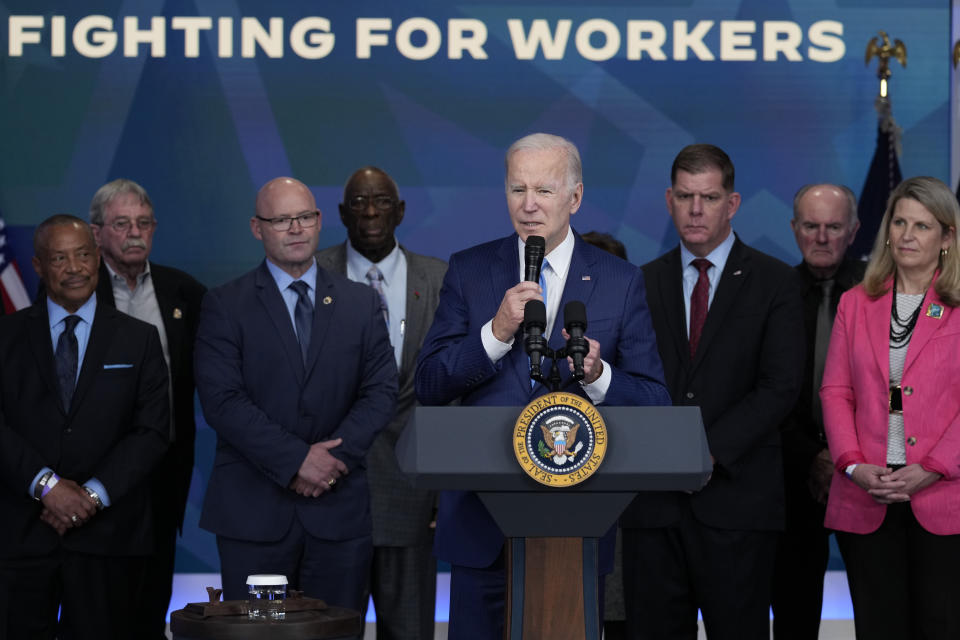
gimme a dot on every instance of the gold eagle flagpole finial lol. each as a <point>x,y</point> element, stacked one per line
<point>879,47</point>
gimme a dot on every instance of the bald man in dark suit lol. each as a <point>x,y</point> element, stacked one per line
<point>403,580</point>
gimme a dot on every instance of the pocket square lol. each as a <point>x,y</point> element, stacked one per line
<point>118,366</point>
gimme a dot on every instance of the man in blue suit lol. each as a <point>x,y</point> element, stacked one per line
<point>474,350</point>
<point>297,376</point>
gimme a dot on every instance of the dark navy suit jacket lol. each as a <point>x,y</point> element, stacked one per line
<point>454,366</point>
<point>267,407</point>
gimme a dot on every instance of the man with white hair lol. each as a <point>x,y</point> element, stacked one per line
<point>473,353</point>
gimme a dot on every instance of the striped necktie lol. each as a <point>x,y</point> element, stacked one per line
<point>375,278</point>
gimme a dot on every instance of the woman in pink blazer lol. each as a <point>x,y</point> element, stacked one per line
<point>891,407</point>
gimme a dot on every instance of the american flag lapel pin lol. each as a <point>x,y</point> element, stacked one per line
<point>584,278</point>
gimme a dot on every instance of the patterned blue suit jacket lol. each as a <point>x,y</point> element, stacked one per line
<point>454,366</point>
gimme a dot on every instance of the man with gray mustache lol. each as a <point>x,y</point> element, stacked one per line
<point>123,222</point>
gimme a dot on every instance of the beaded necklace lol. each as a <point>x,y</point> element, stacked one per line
<point>901,328</point>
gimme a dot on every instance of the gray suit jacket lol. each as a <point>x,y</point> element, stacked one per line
<point>400,512</point>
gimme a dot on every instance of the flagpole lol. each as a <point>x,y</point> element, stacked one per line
<point>884,173</point>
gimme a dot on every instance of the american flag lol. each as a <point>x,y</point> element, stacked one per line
<point>12,291</point>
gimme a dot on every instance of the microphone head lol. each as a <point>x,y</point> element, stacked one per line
<point>574,313</point>
<point>534,250</point>
<point>535,314</point>
<point>534,243</point>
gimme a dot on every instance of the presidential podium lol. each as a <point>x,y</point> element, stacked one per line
<point>553,532</point>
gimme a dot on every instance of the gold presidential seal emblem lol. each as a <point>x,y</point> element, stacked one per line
<point>560,439</point>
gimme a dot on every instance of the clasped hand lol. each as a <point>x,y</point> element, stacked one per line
<point>67,506</point>
<point>320,470</point>
<point>887,486</point>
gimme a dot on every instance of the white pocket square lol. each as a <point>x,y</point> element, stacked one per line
<point>118,366</point>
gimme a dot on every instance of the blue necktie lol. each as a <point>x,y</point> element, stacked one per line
<point>303,316</point>
<point>66,356</point>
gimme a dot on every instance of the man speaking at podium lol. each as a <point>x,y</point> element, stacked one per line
<point>474,351</point>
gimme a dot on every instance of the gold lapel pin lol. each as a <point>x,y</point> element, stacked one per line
<point>327,300</point>
<point>934,311</point>
<point>177,314</point>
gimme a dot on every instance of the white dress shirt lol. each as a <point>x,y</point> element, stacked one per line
<point>555,277</point>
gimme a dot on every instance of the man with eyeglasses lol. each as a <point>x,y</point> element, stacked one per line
<point>296,375</point>
<point>123,222</point>
<point>824,224</point>
<point>403,578</point>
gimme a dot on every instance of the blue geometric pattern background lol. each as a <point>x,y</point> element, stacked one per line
<point>203,133</point>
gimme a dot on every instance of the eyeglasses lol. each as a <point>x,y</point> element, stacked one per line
<point>380,203</point>
<point>305,220</point>
<point>124,225</point>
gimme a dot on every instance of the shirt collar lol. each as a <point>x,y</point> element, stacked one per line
<point>114,275</point>
<point>284,279</point>
<point>358,264</point>
<point>58,313</point>
<point>717,257</point>
<point>559,258</point>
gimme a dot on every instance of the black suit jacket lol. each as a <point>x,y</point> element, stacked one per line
<point>802,436</point>
<point>744,377</point>
<point>179,296</point>
<point>116,430</point>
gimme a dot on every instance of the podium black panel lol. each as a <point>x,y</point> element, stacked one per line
<point>552,531</point>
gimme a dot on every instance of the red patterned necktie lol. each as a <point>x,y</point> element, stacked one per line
<point>699,301</point>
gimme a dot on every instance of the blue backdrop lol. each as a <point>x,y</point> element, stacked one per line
<point>204,101</point>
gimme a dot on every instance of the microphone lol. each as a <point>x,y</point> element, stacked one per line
<point>575,322</point>
<point>534,324</point>
<point>533,252</point>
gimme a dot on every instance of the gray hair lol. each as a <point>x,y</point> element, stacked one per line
<point>546,142</point>
<point>106,194</point>
<point>851,199</point>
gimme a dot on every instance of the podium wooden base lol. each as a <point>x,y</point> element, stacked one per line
<point>552,589</point>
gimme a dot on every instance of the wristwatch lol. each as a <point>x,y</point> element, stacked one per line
<point>95,496</point>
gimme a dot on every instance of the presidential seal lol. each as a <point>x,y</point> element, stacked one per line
<point>560,439</point>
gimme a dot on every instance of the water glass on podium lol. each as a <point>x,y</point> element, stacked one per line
<point>266,596</point>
